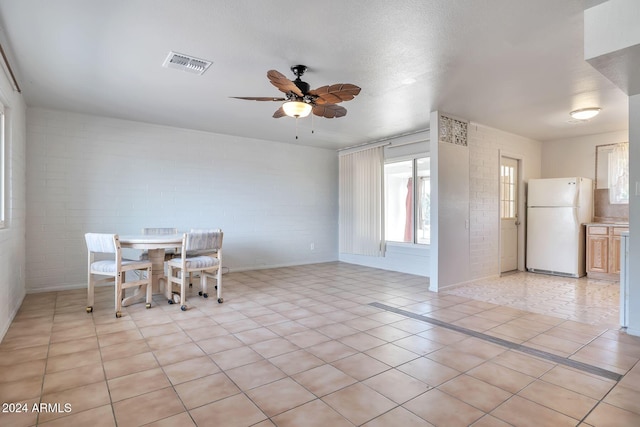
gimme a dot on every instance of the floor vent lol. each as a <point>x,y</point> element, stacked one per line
<point>186,63</point>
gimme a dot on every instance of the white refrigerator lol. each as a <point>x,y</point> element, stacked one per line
<point>557,210</point>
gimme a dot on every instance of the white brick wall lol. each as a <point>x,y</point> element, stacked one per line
<point>485,145</point>
<point>96,174</point>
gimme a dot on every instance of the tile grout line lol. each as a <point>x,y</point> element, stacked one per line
<point>504,343</point>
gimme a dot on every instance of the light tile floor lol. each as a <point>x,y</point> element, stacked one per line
<point>301,346</point>
<point>596,302</point>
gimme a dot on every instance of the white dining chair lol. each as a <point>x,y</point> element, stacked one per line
<point>114,270</point>
<point>201,253</point>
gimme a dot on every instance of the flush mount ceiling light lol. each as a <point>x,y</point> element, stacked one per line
<point>585,113</point>
<point>296,109</point>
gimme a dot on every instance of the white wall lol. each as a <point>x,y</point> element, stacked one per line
<point>478,236</point>
<point>453,216</point>
<point>88,173</point>
<point>576,156</point>
<point>410,259</point>
<point>12,243</point>
<point>634,215</point>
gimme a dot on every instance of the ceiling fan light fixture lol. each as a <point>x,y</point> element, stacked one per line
<point>585,113</point>
<point>296,109</point>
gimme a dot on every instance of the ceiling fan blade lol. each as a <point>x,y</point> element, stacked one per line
<point>282,83</point>
<point>258,98</point>
<point>335,93</point>
<point>329,111</point>
<point>279,113</point>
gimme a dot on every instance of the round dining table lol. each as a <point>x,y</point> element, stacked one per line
<point>155,244</point>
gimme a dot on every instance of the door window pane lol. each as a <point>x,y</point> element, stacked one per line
<point>507,192</point>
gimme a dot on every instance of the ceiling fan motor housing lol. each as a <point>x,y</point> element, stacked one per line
<point>303,86</point>
<point>298,71</point>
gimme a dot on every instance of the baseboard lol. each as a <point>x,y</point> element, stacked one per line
<point>225,270</point>
<point>634,332</point>
<point>268,266</point>
<point>455,285</point>
<point>69,287</point>
<point>12,316</point>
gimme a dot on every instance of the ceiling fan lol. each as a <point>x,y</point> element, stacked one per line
<point>299,101</point>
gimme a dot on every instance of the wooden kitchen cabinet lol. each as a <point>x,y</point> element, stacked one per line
<point>615,250</point>
<point>603,251</point>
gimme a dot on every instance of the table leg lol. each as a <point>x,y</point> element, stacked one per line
<point>156,256</point>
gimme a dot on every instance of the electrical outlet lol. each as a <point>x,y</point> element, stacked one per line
<point>312,247</point>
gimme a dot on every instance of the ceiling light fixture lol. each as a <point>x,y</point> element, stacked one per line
<point>585,113</point>
<point>296,109</point>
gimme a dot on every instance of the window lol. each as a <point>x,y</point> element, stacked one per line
<point>619,174</point>
<point>407,206</point>
<point>2,169</point>
<point>507,191</point>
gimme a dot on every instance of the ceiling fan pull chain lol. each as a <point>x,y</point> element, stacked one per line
<point>312,126</point>
<point>296,127</point>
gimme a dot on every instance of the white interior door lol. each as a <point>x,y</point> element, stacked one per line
<point>508,214</point>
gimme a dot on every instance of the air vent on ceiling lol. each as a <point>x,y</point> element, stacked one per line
<point>186,63</point>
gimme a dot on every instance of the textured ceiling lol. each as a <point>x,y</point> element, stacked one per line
<point>516,65</point>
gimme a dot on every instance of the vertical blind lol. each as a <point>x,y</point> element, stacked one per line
<point>361,202</point>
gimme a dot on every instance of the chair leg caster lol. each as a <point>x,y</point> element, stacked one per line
<point>148,305</point>
<point>90,309</point>
<point>170,301</point>
<point>183,308</point>
<point>220,300</point>
<point>118,314</point>
<point>206,295</point>
<point>200,293</point>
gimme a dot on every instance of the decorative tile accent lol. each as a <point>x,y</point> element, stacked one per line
<point>452,131</point>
